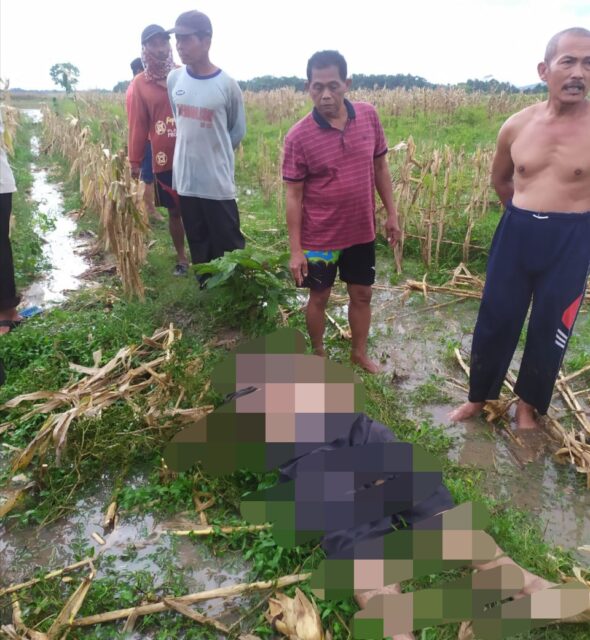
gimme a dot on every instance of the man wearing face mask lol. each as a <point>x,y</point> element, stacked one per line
<point>150,118</point>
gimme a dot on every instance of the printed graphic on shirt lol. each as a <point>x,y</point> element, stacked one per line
<point>167,127</point>
<point>203,115</point>
<point>161,158</point>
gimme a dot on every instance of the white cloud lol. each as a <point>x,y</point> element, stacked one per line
<point>441,41</point>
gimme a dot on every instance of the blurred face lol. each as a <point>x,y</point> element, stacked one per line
<point>327,90</point>
<point>292,384</point>
<point>568,74</point>
<point>159,46</point>
<point>192,49</point>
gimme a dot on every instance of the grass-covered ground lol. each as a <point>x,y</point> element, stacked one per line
<point>114,447</point>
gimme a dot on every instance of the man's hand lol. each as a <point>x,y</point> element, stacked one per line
<point>392,231</point>
<point>298,266</point>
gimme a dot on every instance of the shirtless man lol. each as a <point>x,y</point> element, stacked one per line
<point>541,249</point>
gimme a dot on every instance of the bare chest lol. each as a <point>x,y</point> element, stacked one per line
<point>561,149</point>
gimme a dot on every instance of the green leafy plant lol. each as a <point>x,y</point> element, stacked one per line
<point>252,286</point>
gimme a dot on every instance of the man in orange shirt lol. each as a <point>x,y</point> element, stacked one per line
<point>146,174</point>
<point>150,117</point>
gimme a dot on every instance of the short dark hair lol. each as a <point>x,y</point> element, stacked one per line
<point>551,50</point>
<point>323,59</point>
<point>136,66</point>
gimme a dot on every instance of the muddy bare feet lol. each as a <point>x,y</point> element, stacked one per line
<point>525,416</point>
<point>363,598</point>
<point>363,360</point>
<point>466,411</point>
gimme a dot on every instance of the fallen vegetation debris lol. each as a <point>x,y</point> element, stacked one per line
<point>574,445</point>
<point>133,373</point>
<point>207,531</point>
<point>296,617</point>
<point>52,574</point>
<point>222,592</point>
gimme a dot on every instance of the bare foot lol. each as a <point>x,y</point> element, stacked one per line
<point>320,351</point>
<point>363,360</point>
<point>363,598</point>
<point>466,411</point>
<point>525,416</point>
<point>11,315</point>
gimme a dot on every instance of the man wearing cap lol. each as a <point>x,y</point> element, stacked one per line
<point>210,123</point>
<point>150,118</point>
<point>146,174</point>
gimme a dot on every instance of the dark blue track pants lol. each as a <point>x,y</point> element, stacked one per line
<point>540,256</point>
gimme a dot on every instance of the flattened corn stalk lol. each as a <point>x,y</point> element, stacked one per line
<point>106,187</point>
<point>134,369</point>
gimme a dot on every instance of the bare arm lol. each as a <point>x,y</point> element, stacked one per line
<point>298,261</point>
<point>502,165</point>
<point>385,191</point>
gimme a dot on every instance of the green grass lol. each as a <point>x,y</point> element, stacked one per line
<point>112,447</point>
<point>27,248</point>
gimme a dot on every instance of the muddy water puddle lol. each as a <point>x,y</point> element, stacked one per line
<point>138,544</point>
<point>61,250</point>
<point>414,344</point>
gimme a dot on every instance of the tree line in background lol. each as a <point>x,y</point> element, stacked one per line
<point>381,81</point>
<point>66,75</point>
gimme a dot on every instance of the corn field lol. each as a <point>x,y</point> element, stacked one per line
<point>107,188</point>
<point>442,192</point>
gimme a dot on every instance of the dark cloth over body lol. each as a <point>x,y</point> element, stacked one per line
<point>364,431</point>
<point>543,256</point>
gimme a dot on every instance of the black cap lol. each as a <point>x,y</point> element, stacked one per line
<point>192,22</point>
<point>152,30</point>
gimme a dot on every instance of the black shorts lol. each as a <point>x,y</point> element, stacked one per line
<point>356,265</point>
<point>165,194</point>
<point>212,227</point>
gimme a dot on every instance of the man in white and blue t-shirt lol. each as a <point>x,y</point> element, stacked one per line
<point>210,123</point>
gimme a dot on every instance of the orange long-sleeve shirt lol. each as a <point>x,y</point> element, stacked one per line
<point>150,117</point>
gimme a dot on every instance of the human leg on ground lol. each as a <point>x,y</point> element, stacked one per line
<point>357,269</point>
<point>505,301</point>
<point>176,229</point>
<point>167,197</point>
<point>359,318</point>
<point>8,298</point>
<point>315,317</point>
<point>558,294</point>
<point>223,222</point>
<point>150,203</point>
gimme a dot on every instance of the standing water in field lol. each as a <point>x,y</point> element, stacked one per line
<point>60,250</point>
<point>415,344</point>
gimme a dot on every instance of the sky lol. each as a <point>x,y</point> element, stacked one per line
<point>444,41</point>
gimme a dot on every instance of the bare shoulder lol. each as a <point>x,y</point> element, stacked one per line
<point>517,122</point>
